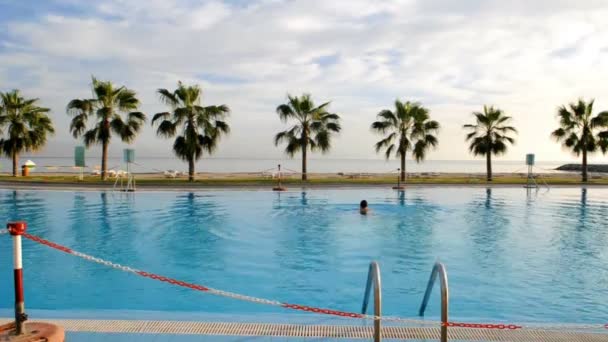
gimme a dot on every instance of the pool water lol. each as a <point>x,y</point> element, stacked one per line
<point>511,254</point>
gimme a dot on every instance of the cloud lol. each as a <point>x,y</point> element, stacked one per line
<point>525,56</point>
<point>207,15</point>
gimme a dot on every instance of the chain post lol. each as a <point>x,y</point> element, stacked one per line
<point>16,229</point>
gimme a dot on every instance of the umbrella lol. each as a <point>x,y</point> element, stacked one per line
<point>29,163</point>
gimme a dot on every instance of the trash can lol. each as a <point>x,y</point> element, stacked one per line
<point>25,170</point>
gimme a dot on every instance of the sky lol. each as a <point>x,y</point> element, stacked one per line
<point>526,57</point>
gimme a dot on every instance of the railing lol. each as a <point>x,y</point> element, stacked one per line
<point>374,275</point>
<point>439,268</point>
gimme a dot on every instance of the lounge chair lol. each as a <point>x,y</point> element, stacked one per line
<point>170,174</point>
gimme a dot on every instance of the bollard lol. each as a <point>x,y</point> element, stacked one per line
<point>280,187</point>
<point>16,229</point>
<point>399,186</point>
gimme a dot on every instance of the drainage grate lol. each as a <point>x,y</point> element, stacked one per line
<point>315,331</point>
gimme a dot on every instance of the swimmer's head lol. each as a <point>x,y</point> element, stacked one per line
<point>363,204</point>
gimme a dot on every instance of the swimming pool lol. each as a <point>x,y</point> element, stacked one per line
<point>510,254</point>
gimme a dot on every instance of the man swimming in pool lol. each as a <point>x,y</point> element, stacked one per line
<point>363,207</point>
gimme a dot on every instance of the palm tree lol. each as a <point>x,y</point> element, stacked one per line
<point>489,135</point>
<point>26,125</point>
<point>580,131</point>
<point>313,129</point>
<point>410,125</point>
<point>109,102</point>
<point>201,127</point>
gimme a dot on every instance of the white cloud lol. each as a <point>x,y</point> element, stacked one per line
<point>524,56</point>
<point>304,24</point>
<point>208,15</point>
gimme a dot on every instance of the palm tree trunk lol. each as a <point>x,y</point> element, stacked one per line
<point>489,166</point>
<point>403,167</point>
<point>104,161</point>
<point>15,164</point>
<point>191,169</point>
<point>304,175</point>
<point>584,165</point>
<point>304,152</point>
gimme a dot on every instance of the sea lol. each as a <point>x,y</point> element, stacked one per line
<point>244,165</point>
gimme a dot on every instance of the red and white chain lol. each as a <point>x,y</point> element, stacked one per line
<point>217,292</point>
<point>201,288</point>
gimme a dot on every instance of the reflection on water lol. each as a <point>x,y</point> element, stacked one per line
<point>402,198</point>
<point>583,206</point>
<point>511,253</point>
<point>196,231</point>
<point>579,237</point>
<point>307,239</point>
<point>16,206</point>
<point>488,223</point>
<point>409,237</point>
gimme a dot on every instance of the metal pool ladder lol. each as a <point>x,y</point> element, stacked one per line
<point>373,278</point>
<point>373,275</point>
<point>438,269</point>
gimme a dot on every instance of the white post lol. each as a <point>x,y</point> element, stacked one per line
<point>16,229</point>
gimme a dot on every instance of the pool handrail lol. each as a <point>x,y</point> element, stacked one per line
<point>374,275</point>
<point>438,268</point>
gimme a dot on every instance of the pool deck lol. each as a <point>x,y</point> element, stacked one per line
<point>114,337</point>
<point>133,330</point>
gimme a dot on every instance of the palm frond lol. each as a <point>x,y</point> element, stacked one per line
<point>160,116</point>
<point>166,129</point>
<point>322,141</point>
<point>222,127</point>
<point>126,100</point>
<point>382,126</point>
<point>388,116</point>
<point>90,137</point>
<point>419,150</point>
<point>285,112</point>
<point>387,141</point>
<point>293,146</point>
<point>168,98</point>
<point>389,151</point>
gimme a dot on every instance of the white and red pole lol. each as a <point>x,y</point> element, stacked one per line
<point>16,229</point>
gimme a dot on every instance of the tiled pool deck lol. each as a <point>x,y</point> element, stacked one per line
<point>182,316</point>
<point>106,326</point>
<point>97,337</point>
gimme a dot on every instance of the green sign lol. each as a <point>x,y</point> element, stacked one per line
<point>530,159</point>
<point>129,155</point>
<point>79,156</point>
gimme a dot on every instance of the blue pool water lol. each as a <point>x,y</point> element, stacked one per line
<point>510,255</point>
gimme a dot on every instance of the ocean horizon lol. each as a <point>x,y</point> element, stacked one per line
<point>253,165</point>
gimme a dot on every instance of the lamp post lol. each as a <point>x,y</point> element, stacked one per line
<point>399,186</point>
<point>279,187</point>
